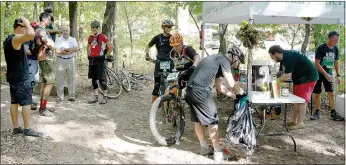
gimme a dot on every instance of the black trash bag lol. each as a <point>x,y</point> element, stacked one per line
<point>240,133</point>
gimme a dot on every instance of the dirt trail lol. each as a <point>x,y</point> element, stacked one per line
<point>119,132</point>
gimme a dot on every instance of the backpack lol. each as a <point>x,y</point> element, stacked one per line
<point>98,43</point>
<point>185,54</point>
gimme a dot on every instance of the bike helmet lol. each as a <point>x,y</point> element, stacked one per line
<point>95,24</point>
<point>167,23</point>
<point>235,51</point>
<point>176,39</point>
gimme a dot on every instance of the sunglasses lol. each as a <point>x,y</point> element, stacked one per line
<point>94,27</point>
<point>169,27</point>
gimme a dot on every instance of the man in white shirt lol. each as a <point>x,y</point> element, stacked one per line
<point>66,48</point>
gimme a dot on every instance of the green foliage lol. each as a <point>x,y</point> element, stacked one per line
<point>249,35</point>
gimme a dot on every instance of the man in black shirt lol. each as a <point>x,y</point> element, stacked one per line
<point>200,98</point>
<point>327,57</point>
<point>161,41</point>
<point>18,75</point>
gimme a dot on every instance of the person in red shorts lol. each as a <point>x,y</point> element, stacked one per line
<point>304,75</point>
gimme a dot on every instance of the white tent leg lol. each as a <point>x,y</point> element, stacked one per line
<point>249,65</point>
<point>203,37</point>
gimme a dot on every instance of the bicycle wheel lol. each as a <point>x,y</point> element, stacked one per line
<point>124,79</point>
<point>167,133</point>
<point>114,87</point>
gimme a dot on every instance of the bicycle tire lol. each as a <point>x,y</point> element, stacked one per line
<point>125,81</point>
<point>152,122</point>
<point>112,78</point>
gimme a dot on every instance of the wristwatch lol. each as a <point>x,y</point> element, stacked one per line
<point>338,75</point>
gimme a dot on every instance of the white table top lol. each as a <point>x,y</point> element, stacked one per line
<point>257,97</point>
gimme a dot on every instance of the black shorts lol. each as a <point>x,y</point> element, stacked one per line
<point>97,67</point>
<point>21,92</point>
<point>158,70</point>
<point>202,106</point>
<point>328,86</point>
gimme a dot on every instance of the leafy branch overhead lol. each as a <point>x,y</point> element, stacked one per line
<point>250,36</point>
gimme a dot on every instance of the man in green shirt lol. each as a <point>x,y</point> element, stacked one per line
<point>304,76</point>
<point>327,57</point>
<point>51,28</point>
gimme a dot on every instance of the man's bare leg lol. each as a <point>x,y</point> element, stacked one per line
<point>14,115</point>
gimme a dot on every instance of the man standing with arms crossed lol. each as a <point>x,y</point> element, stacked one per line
<point>18,75</point>
<point>66,48</point>
<point>326,56</point>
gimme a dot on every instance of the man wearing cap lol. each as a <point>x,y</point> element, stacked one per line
<point>18,75</point>
<point>66,48</point>
<point>327,57</point>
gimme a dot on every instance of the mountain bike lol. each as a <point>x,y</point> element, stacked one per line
<point>167,123</point>
<point>113,83</point>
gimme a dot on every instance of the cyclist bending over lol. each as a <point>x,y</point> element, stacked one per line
<point>161,41</point>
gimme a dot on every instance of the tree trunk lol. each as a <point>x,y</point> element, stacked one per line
<point>49,4</point>
<point>35,16</point>
<point>108,19</point>
<point>72,6</point>
<point>115,36</point>
<point>7,15</point>
<point>176,14</point>
<point>222,48</point>
<point>306,38</point>
<point>129,28</point>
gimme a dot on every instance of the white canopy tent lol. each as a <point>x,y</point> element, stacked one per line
<point>272,13</point>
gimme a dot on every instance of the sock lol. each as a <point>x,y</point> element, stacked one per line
<point>96,97</point>
<point>204,144</point>
<point>44,104</point>
<point>333,111</point>
<point>317,110</point>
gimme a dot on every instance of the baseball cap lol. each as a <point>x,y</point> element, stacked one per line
<point>18,22</point>
<point>333,33</point>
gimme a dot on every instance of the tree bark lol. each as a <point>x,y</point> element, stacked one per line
<point>115,36</point>
<point>49,4</point>
<point>108,23</point>
<point>129,28</point>
<point>35,16</point>
<point>222,48</point>
<point>108,19</point>
<point>306,38</point>
<point>73,5</point>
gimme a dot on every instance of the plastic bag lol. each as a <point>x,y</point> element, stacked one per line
<point>240,132</point>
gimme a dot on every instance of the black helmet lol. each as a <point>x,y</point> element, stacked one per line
<point>167,22</point>
<point>95,24</point>
<point>235,51</point>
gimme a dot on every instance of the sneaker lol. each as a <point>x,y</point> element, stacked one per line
<point>95,100</point>
<point>218,156</point>
<point>295,127</point>
<point>225,154</point>
<point>103,101</point>
<point>291,123</point>
<point>33,106</point>
<point>72,98</point>
<point>45,112</point>
<point>335,116</point>
<point>316,115</point>
<point>17,131</point>
<point>59,100</point>
<point>206,151</point>
<point>30,132</point>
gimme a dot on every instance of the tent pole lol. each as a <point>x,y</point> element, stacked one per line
<point>203,37</point>
<point>249,64</point>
